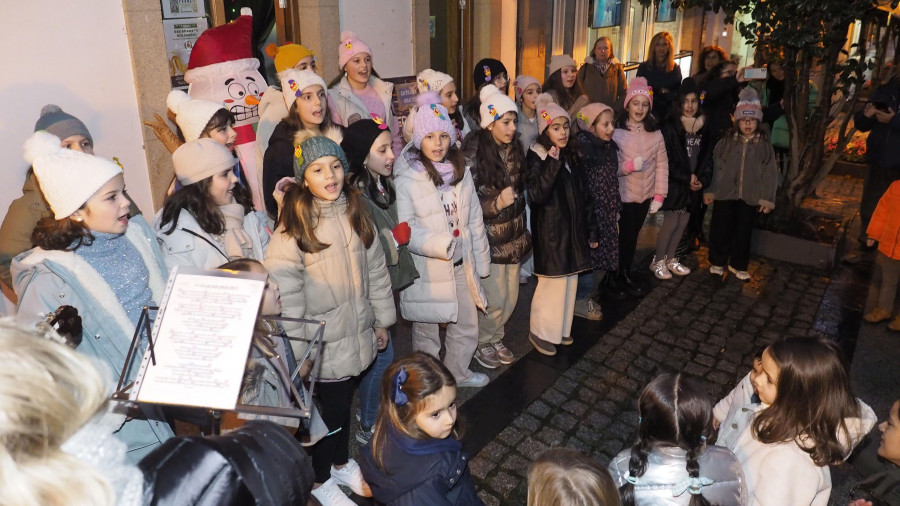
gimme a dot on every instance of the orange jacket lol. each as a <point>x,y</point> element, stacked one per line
<point>885,224</point>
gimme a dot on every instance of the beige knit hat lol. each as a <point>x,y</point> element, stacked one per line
<point>68,178</point>
<point>559,61</point>
<point>191,115</point>
<point>432,80</point>
<point>197,160</point>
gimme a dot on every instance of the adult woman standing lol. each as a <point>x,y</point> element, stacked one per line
<point>602,76</point>
<point>662,73</point>
<point>710,56</point>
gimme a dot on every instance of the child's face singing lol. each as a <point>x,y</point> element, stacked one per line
<point>439,414</point>
<point>224,135</point>
<point>436,145</point>
<point>311,105</point>
<point>380,160</point>
<point>271,299</point>
<point>767,380</point>
<point>325,178</point>
<point>568,75</point>
<point>604,125</point>
<point>748,126</point>
<point>889,449</point>
<point>530,95</point>
<point>307,63</point>
<point>558,131</point>
<point>221,187</point>
<point>449,98</point>
<point>107,209</point>
<point>638,108</point>
<point>359,68</point>
<point>690,105</point>
<point>78,142</point>
<point>504,129</point>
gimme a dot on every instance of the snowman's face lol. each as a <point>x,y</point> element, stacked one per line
<point>239,91</point>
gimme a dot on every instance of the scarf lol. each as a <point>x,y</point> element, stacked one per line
<point>692,125</point>
<point>237,241</point>
<point>445,170</point>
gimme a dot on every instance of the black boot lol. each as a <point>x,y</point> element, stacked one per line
<point>631,287</point>
<point>612,287</point>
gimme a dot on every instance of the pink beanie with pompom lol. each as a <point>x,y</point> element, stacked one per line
<point>547,111</point>
<point>350,46</point>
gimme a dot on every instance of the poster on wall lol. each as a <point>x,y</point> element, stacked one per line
<point>606,13</point>
<point>181,34</point>
<point>665,13</point>
<point>403,98</point>
<point>183,8</point>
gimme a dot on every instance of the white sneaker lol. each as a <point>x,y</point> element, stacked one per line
<point>351,476</point>
<point>659,268</point>
<point>329,494</point>
<point>677,268</point>
<point>588,309</point>
<point>716,270</point>
<point>475,380</point>
<point>742,275</point>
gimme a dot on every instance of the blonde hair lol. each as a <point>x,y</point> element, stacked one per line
<point>651,55</point>
<point>47,393</point>
<point>566,477</point>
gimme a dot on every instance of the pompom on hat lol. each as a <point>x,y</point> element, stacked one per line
<point>587,115</point>
<point>432,80</point>
<point>288,55</point>
<point>522,83</point>
<point>559,61</point>
<point>431,118</point>
<point>486,70</point>
<point>68,178</point>
<point>638,86</point>
<point>494,105</point>
<point>199,159</point>
<point>294,81</point>
<point>748,105</point>
<point>313,148</point>
<point>191,115</point>
<point>547,110</point>
<point>350,46</point>
<point>61,124</point>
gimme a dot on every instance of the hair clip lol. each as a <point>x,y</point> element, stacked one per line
<point>487,73</point>
<point>397,394</point>
<point>702,96</point>
<point>379,121</point>
<point>692,485</point>
<point>298,154</point>
<point>294,87</point>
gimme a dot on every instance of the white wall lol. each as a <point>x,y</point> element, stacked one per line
<point>386,26</point>
<point>75,55</point>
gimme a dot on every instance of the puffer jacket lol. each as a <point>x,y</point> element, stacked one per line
<point>557,215</point>
<point>884,226</point>
<point>432,298</point>
<point>399,260</point>
<point>509,238</point>
<point>653,179</point>
<point>744,170</point>
<point>45,280</point>
<point>182,247</point>
<point>609,88</point>
<point>346,285</point>
<point>679,188</point>
<point>664,481</point>
<point>420,472</point>
<point>784,473</point>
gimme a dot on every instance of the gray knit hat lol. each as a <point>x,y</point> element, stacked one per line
<point>311,150</point>
<point>61,124</point>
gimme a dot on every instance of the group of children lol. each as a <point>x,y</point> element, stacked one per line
<point>449,213</point>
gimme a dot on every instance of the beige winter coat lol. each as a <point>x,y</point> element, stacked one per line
<point>345,285</point>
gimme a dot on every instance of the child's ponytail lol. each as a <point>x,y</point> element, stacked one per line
<point>696,482</point>
<point>637,466</point>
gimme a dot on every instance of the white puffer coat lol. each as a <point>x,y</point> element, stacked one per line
<point>432,297</point>
<point>345,285</point>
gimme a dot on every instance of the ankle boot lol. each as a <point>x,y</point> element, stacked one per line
<point>630,285</point>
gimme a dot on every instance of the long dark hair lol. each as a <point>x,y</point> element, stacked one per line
<point>66,234</point>
<point>301,213</point>
<point>293,118</point>
<point>566,97</point>
<point>454,156</point>
<point>674,410</point>
<point>196,200</point>
<point>489,168</point>
<point>813,399</point>
<point>569,154</point>
<point>473,108</point>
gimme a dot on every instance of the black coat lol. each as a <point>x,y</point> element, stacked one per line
<point>661,80</point>
<point>679,196</point>
<point>278,162</point>
<point>432,472</point>
<point>558,227</point>
<point>883,143</point>
<point>719,99</point>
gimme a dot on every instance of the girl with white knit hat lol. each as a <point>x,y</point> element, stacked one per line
<point>442,84</point>
<point>92,256</point>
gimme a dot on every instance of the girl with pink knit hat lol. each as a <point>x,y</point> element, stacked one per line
<point>358,93</point>
<point>643,175</point>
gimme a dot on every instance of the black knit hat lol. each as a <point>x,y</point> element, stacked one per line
<point>358,140</point>
<point>486,70</point>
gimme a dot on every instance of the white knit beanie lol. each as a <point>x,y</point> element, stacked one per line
<point>68,178</point>
<point>197,160</point>
<point>191,115</point>
<point>494,104</point>
<point>432,80</point>
<point>294,81</point>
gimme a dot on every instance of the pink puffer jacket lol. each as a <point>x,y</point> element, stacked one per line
<point>653,178</point>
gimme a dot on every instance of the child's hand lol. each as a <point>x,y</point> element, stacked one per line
<point>708,200</point>
<point>695,183</point>
<point>554,152</point>
<point>657,203</point>
<point>593,245</point>
<point>634,165</point>
<point>870,242</point>
<point>860,502</point>
<point>382,337</point>
<point>716,424</point>
<point>506,198</point>
<point>402,233</point>
<point>278,192</point>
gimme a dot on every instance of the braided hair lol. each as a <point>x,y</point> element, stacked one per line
<point>674,411</point>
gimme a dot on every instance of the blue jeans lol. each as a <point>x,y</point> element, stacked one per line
<point>370,386</point>
<point>586,285</point>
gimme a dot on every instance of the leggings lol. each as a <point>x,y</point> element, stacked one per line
<point>674,223</point>
<point>335,398</point>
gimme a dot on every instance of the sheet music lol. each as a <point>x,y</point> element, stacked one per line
<point>201,340</point>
